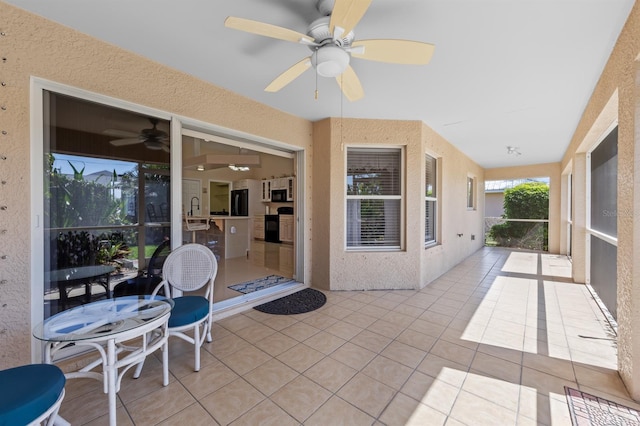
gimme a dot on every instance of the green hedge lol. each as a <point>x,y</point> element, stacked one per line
<point>525,201</point>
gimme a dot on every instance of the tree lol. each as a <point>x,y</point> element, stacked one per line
<point>525,201</point>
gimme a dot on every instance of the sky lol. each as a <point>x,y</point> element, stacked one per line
<point>91,165</point>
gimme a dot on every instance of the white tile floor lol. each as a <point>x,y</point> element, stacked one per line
<point>264,259</point>
<point>491,342</point>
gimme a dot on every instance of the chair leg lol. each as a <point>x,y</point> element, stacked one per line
<point>165,364</point>
<point>209,338</point>
<point>138,371</point>
<point>196,344</point>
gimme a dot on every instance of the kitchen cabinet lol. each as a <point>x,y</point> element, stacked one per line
<point>279,183</point>
<point>266,190</point>
<point>285,183</point>
<point>258,227</point>
<point>289,189</point>
<point>286,228</point>
<point>241,184</point>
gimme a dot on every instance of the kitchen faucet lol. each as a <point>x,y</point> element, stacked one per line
<point>197,204</point>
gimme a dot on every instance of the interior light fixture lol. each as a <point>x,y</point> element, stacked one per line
<point>239,168</point>
<point>513,150</point>
<point>200,168</point>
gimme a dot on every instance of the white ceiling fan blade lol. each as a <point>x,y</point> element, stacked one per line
<point>267,30</point>
<point>289,75</point>
<point>124,142</point>
<point>346,14</point>
<point>119,133</point>
<point>165,148</point>
<point>350,84</point>
<point>394,51</point>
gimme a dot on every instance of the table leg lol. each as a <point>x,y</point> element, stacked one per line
<point>112,379</point>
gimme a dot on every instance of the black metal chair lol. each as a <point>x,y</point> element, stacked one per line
<point>146,281</point>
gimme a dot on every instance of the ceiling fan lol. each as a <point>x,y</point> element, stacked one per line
<point>153,138</point>
<point>333,44</point>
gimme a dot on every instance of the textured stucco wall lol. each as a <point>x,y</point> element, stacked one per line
<point>414,266</point>
<point>371,270</point>
<point>456,219</point>
<point>322,204</point>
<point>619,81</point>
<point>36,47</point>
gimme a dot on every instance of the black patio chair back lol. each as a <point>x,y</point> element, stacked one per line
<point>146,281</point>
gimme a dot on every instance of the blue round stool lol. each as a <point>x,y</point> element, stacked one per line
<point>30,394</point>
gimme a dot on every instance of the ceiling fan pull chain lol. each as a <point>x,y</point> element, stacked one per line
<point>316,94</point>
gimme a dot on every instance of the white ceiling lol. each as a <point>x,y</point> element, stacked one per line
<point>504,73</point>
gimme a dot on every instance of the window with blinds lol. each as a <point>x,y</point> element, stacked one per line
<point>430,200</point>
<point>374,198</point>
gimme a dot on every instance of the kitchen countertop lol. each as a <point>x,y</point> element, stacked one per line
<point>196,218</point>
<point>228,217</point>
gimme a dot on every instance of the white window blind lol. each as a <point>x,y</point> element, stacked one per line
<point>374,195</point>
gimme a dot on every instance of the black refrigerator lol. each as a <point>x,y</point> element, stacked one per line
<point>240,202</point>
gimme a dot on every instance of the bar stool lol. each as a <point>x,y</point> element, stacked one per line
<point>196,224</point>
<point>31,394</point>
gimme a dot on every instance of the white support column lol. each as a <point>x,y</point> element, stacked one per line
<point>565,205</point>
<point>581,205</point>
<point>629,238</point>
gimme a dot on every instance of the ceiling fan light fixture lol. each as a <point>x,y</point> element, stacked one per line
<point>153,145</point>
<point>330,61</point>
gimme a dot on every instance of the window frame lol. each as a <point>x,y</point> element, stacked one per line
<point>433,198</point>
<point>401,197</point>
<point>471,192</point>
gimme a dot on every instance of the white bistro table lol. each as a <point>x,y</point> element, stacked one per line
<point>139,321</point>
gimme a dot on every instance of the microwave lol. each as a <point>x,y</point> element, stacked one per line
<point>278,195</point>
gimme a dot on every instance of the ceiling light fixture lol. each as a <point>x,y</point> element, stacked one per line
<point>239,168</point>
<point>513,150</point>
<point>216,161</point>
<point>155,145</point>
<point>330,61</point>
<point>200,168</point>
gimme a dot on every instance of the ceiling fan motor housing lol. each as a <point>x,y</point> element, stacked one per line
<point>325,7</point>
<point>319,31</point>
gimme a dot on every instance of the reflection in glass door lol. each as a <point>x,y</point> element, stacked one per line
<point>106,198</point>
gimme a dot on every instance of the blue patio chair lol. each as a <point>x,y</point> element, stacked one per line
<point>30,394</point>
<point>189,268</point>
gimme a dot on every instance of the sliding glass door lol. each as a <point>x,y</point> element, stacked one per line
<point>106,197</point>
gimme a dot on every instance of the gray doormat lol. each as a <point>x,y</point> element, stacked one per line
<point>306,300</point>
<point>591,410</point>
<point>260,284</point>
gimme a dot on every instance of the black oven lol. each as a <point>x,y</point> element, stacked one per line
<point>272,228</point>
<point>278,195</point>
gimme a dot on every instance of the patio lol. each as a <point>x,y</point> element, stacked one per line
<point>493,341</point>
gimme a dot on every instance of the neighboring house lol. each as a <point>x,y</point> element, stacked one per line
<point>494,194</point>
<point>44,55</point>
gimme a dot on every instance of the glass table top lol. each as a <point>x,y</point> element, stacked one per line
<point>103,318</point>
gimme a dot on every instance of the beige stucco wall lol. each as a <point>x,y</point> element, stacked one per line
<point>617,96</point>
<point>493,204</point>
<point>414,266</point>
<point>37,47</point>
<point>553,171</point>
